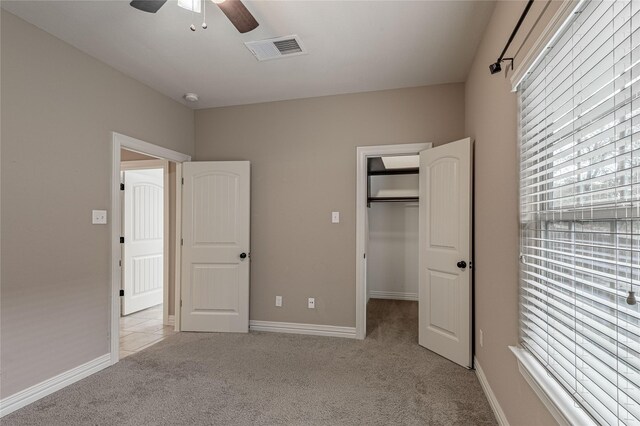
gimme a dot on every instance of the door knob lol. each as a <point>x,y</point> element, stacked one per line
<point>243,255</point>
<point>461,264</point>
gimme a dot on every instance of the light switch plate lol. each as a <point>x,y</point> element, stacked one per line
<point>335,217</point>
<point>279,301</point>
<point>99,217</point>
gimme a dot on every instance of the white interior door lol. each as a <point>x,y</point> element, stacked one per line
<point>215,251</point>
<point>445,250</point>
<point>143,248</point>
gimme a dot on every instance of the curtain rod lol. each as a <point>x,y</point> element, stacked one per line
<point>495,67</point>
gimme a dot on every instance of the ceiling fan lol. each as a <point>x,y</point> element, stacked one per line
<point>234,10</point>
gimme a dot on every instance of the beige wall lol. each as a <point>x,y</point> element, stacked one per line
<point>58,107</point>
<point>126,155</point>
<point>491,119</point>
<point>303,167</point>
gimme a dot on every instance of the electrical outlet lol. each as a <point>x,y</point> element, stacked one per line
<point>99,217</point>
<point>335,217</point>
<point>278,301</point>
<point>481,339</point>
<point>312,303</point>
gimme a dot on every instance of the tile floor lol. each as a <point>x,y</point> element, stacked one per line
<point>141,330</point>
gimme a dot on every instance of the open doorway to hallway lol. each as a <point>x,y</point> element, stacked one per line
<point>147,282</point>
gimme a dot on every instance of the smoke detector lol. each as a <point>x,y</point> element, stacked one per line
<point>191,97</point>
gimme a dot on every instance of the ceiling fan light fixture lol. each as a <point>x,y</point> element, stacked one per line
<point>190,5</point>
<point>218,1</point>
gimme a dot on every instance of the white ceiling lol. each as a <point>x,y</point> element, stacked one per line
<point>354,46</point>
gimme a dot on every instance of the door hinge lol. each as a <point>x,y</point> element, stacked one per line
<point>183,181</point>
<point>181,242</point>
<point>120,263</point>
<point>365,255</point>
<point>121,293</point>
<point>121,240</point>
<point>122,187</point>
<point>181,303</point>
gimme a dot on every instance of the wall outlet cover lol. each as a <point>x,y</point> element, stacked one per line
<point>99,217</point>
<point>312,303</point>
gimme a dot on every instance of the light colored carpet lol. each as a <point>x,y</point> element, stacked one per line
<point>276,379</point>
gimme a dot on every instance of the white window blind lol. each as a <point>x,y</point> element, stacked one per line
<point>580,209</point>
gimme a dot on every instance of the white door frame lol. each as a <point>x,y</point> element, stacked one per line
<point>363,152</point>
<point>120,141</point>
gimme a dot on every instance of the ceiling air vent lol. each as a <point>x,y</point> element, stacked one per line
<point>275,48</point>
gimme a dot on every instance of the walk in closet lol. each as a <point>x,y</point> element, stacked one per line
<point>392,237</point>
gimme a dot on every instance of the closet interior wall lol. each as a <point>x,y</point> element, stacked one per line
<point>392,253</point>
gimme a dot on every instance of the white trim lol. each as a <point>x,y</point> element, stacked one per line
<point>298,328</point>
<point>120,141</point>
<point>49,386</point>
<point>147,148</point>
<point>165,244</point>
<point>362,152</point>
<point>546,38</point>
<point>392,295</point>
<point>177,309</point>
<point>493,401</point>
<point>558,401</point>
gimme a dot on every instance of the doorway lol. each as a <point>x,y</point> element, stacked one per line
<point>444,243</point>
<point>377,218</point>
<point>392,245</point>
<point>145,211</point>
<point>146,314</point>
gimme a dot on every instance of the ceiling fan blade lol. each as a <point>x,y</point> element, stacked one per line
<point>239,16</point>
<point>151,6</point>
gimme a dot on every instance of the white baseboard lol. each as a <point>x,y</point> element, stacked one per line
<point>49,386</point>
<point>171,320</point>
<point>495,405</point>
<point>298,328</point>
<point>392,295</point>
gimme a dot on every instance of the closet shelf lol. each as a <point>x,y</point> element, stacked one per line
<point>393,199</point>
<point>393,172</point>
<point>396,189</point>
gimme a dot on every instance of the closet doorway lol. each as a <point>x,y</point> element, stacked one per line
<point>413,245</point>
<point>392,246</point>
<point>364,283</point>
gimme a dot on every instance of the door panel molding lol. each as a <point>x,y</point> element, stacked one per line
<point>146,235</point>
<point>445,290</point>
<point>215,231</point>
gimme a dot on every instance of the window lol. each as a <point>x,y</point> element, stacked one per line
<point>580,209</point>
